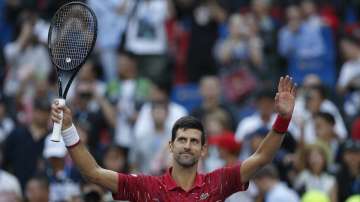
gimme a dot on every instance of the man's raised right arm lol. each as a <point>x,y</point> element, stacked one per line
<point>80,155</point>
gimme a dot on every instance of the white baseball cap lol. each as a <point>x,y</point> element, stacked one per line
<point>54,149</point>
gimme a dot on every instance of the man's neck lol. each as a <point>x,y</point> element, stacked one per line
<point>184,177</point>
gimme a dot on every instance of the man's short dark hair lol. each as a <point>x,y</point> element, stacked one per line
<point>327,117</point>
<point>188,122</point>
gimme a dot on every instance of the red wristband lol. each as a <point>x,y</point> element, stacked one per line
<point>281,124</point>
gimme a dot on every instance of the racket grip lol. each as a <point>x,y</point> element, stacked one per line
<point>56,133</point>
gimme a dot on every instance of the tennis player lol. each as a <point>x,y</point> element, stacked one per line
<point>182,182</point>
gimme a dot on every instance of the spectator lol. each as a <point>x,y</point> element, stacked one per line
<point>205,17</point>
<point>262,117</point>
<point>88,111</point>
<point>348,84</point>
<point>317,101</point>
<point>268,182</point>
<point>61,186</point>
<point>315,176</point>
<point>28,60</point>
<point>326,136</point>
<point>6,123</point>
<point>348,177</point>
<point>37,189</point>
<point>210,90</point>
<point>127,94</point>
<point>24,146</point>
<point>112,17</point>
<point>267,30</point>
<point>303,44</point>
<point>10,189</point>
<point>240,53</point>
<point>146,37</point>
<point>154,122</point>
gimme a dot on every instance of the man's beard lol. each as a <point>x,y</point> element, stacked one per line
<point>187,161</point>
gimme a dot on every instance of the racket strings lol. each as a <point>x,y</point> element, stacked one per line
<point>73,34</point>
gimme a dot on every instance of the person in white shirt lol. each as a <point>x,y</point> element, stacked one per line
<point>268,183</point>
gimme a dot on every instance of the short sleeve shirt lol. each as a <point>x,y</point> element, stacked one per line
<point>210,187</point>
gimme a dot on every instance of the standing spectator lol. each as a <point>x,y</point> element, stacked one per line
<point>315,176</point>
<point>37,189</point>
<point>112,16</point>
<point>240,53</point>
<point>24,146</point>
<point>146,37</point>
<point>10,190</point>
<point>205,17</point>
<point>28,60</point>
<point>127,94</point>
<point>267,31</point>
<point>268,183</point>
<point>348,177</point>
<point>303,44</point>
<point>348,84</point>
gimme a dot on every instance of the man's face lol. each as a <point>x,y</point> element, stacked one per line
<point>187,148</point>
<point>324,129</point>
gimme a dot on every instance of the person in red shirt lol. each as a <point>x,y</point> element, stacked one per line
<point>182,182</point>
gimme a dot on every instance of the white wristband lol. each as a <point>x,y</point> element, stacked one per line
<point>70,136</point>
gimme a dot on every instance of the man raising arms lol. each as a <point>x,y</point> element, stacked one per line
<point>182,182</point>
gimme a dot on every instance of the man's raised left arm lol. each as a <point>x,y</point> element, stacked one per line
<point>284,106</point>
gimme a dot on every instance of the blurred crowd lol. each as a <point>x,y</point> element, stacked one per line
<point>158,60</point>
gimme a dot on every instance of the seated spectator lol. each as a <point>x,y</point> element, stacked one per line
<point>326,135</point>
<point>314,176</point>
<point>61,186</point>
<point>24,146</point>
<point>37,189</point>
<point>263,116</point>
<point>348,177</point>
<point>10,189</point>
<point>210,90</point>
<point>316,101</point>
<point>268,183</point>
<point>348,84</point>
<point>153,126</point>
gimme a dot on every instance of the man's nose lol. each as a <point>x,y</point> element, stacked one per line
<point>187,145</point>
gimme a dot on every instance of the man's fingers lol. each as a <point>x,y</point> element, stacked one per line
<point>280,85</point>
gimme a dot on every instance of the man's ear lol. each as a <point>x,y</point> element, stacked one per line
<point>204,150</point>
<point>171,146</point>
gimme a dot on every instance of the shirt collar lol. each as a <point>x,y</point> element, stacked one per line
<point>170,183</point>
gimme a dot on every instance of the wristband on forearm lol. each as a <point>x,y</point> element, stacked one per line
<point>281,124</point>
<point>71,137</point>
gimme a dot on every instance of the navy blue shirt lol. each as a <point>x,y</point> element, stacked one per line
<point>23,154</point>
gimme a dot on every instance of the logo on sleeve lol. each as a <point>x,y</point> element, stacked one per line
<point>204,196</point>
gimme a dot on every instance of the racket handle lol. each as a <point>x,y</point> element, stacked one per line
<point>56,134</point>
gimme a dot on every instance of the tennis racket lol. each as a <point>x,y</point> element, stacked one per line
<point>71,38</point>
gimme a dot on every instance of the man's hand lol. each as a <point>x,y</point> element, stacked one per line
<point>285,97</point>
<point>55,114</point>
